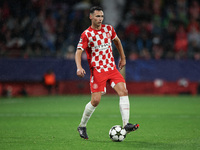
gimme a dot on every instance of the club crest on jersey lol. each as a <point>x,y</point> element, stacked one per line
<point>108,35</point>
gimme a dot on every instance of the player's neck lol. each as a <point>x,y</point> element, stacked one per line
<point>96,27</point>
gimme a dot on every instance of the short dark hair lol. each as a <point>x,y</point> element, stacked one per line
<point>92,9</point>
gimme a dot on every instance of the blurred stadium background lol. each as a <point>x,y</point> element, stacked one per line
<point>161,39</point>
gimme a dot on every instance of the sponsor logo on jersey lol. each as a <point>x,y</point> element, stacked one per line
<point>108,35</point>
<point>102,46</point>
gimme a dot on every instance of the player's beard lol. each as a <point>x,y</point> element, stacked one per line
<point>98,24</point>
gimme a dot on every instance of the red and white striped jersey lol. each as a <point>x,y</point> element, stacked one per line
<point>98,47</point>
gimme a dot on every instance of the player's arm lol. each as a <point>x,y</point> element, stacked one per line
<point>80,71</point>
<point>118,44</point>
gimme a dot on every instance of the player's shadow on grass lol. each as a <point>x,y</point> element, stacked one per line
<point>136,144</point>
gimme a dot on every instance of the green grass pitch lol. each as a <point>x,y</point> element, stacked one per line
<point>50,123</point>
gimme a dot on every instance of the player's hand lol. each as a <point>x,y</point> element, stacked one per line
<point>122,63</point>
<point>81,73</point>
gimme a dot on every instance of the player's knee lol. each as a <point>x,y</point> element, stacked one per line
<point>123,92</point>
<point>95,101</point>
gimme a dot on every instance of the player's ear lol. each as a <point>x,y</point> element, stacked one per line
<point>90,16</point>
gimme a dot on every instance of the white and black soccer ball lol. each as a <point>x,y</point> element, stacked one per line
<point>117,133</point>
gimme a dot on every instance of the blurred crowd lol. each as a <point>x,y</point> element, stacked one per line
<point>161,29</point>
<point>148,29</point>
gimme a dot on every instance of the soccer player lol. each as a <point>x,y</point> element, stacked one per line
<point>96,41</point>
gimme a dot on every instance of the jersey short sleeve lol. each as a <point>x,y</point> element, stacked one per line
<point>83,42</point>
<point>114,35</point>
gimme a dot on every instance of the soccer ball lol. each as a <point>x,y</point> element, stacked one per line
<point>117,133</point>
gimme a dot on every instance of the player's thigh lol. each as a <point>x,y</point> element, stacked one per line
<point>120,88</point>
<point>95,98</point>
